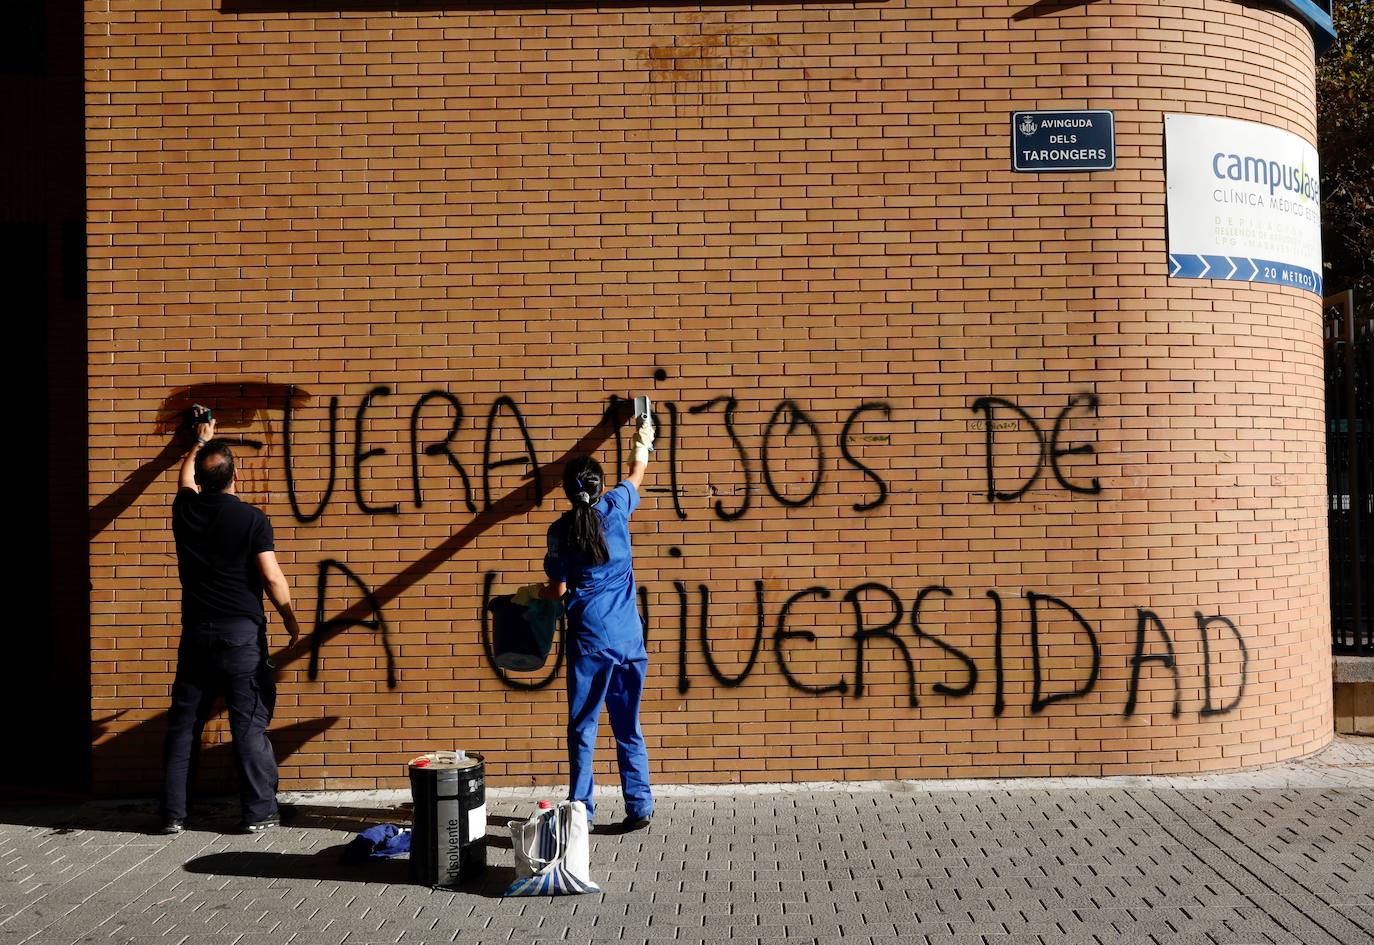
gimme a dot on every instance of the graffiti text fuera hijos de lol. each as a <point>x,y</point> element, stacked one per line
<point>506,442</point>
<point>784,457</point>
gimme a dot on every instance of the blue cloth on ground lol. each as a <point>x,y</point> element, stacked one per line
<point>377,843</point>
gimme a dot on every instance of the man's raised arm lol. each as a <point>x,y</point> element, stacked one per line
<point>186,479</point>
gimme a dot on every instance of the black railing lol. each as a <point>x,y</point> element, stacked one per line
<point>1350,472</point>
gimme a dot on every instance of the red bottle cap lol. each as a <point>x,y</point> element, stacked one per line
<point>544,805</point>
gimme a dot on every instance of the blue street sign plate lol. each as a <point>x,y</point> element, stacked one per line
<point>1063,141</point>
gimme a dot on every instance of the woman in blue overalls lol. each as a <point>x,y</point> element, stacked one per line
<point>589,561</point>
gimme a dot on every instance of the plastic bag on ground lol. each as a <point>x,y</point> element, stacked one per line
<point>552,852</point>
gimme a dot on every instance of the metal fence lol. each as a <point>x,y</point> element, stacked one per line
<point>1350,472</point>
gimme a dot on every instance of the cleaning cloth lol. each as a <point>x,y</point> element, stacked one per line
<point>377,843</point>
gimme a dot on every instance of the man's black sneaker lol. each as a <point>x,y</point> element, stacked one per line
<point>637,823</point>
<point>172,826</point>
<point>267,823</point>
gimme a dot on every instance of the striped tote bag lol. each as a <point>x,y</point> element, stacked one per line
<point>552,852</point>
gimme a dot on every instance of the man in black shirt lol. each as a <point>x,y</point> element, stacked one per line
<point>226,559</point>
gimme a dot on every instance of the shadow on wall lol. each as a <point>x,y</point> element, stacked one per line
<point>1049,8</point>
<point>215,766</point>
<point>236,405</point>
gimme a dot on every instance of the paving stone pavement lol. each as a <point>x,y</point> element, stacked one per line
<point>1283,855</point>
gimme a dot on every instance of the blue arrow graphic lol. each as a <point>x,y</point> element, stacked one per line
<point>1215,265</point>
<point>1187,266</point>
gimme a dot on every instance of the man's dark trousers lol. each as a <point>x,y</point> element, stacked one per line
<point>229,657</point>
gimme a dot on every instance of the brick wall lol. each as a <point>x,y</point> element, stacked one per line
<point>796,228</point>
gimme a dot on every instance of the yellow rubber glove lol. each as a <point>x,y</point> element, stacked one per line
<point>644,440</point>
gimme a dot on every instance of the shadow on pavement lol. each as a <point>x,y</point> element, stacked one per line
<point>221,815</point>
<point>351,819</point>
<point>216,814</point>
<point>126,817</point>
<point>325,865</point>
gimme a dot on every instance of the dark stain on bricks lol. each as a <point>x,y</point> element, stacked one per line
<point>690,56</point>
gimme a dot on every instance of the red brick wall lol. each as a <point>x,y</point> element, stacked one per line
<point>807,208</point>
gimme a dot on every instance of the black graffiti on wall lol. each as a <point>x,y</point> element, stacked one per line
<point>1147,620</point>
<point>242,403</point>
<point>878,617</point>
<point>788,427</point>
<point>1203,625</point>
<point>1049,453</point>
<point>787,423</point>
<point>501,407</point>
<point>442,448</point>
<point>704,634</point>
<point>325,629</point>
<point>1039,699</point>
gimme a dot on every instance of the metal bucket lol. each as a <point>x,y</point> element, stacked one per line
<point>449,826</point>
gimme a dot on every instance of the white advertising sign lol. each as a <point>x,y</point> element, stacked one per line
<point>1244,202</point>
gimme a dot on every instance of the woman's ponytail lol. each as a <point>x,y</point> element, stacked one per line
<point>584,537</point>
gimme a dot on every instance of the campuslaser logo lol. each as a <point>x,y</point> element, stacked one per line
<point>1293,178</point>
